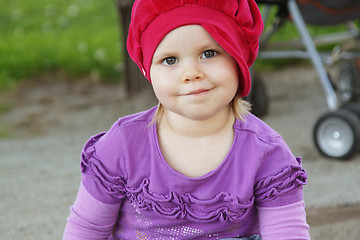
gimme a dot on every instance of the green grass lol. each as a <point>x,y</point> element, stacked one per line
<point>77,36</point>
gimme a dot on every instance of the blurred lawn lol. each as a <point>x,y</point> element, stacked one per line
<point>79,37</point>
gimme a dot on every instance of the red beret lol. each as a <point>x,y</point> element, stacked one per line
<point>235,24</point>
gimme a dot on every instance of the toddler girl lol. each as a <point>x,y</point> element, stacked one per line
<point>198,165</point>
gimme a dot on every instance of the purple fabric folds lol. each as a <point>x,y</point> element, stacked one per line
<point>91,165</point>
<point>285,181</point>
<point>187,206</point>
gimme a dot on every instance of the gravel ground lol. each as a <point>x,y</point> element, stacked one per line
<point>52,118</point>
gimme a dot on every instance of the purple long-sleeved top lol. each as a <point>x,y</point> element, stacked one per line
<point>124,167</point>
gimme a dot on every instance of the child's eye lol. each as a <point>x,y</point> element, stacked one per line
<point>208,54</point>
<point>170,60</point>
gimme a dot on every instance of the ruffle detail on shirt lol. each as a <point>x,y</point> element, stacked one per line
<point>183,206</point>
<point>285,181</point>
<point>114,185</point>
<point>223,207</point>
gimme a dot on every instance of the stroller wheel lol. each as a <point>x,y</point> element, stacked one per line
<point>337,134</point>
<point>348,82</point>
<point>258,97</point>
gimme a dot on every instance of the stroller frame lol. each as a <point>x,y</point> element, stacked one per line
<point>311,52</point>
<point>351,116</point>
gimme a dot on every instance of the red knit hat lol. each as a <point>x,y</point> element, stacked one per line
<point>235,24</point>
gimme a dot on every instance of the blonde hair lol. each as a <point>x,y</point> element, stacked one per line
<point>240,107</point>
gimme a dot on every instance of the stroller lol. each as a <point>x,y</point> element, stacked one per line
<point>336,133</point>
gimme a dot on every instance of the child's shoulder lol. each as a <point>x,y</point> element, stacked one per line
<point>144,117</point>
<point>257,128</point>
<point>132,126</point>
<point>129,127</point>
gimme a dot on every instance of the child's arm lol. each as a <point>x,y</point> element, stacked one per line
<point>285,222</point>
<point>90,218</point>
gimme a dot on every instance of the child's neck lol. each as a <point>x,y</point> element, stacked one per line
<point>196,147</point>
<point>221,121</point>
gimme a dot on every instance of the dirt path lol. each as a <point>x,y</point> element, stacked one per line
<point>52,118</point>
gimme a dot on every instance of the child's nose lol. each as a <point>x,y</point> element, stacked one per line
<point>192,72</point>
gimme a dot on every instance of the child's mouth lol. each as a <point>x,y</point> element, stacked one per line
<point>197,92</point>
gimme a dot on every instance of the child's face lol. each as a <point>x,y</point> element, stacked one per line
<point>192,75</point>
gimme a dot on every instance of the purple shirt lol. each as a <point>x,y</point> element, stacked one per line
<point>125,165</point>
